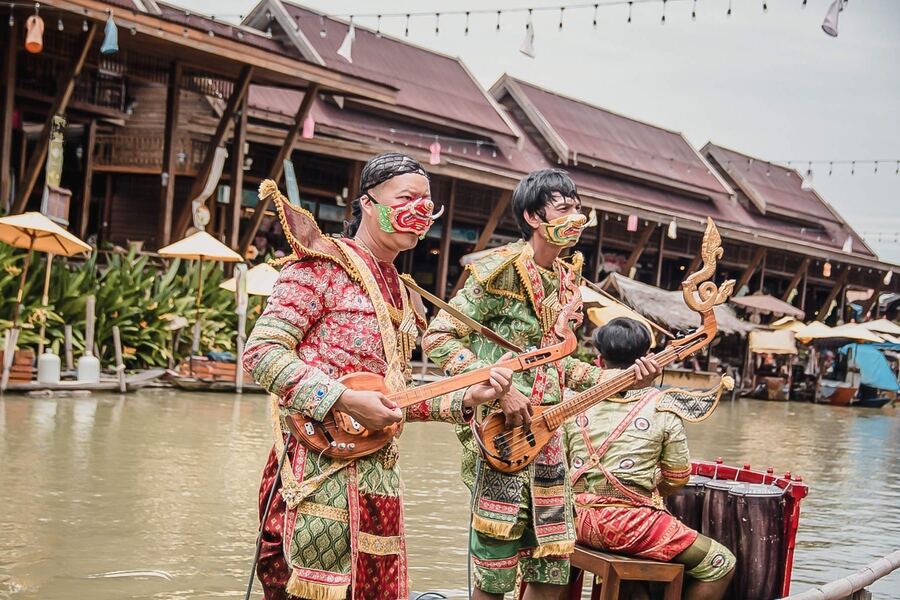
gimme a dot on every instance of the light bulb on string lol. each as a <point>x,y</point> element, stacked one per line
<point>804,4</point>
<point>562,10</point>
<point>406,32</point>
<point>378,27</point>
<point>322,31</point>
<point>663,19</point>
<point>437,23</point>
<point>830,168</point>
<point>694,11</point>
<point>595,15</point>
<point>728,14</point>
<point>897,172</point>
<point>853,167</point>
<point>630,6</point>
<point>765,6</point>
<point>498,20</point>
<point>467,22</point>
<point>59,25</point>
<point>876,167</point>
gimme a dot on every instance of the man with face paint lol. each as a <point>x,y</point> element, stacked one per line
<point>335,526</point>
<point>523,522</point>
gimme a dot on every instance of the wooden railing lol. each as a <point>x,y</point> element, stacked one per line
<point>142,151</point>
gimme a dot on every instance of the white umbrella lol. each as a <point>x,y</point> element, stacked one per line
<point>260,280</point>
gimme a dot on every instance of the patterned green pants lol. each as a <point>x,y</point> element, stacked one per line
<point>496,561</point>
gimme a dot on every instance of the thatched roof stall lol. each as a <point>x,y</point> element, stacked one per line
<point>668,308</point>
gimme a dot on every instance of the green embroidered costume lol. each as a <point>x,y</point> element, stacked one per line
<point>528,515</point>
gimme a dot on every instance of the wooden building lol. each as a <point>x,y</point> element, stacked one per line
<point>275,87</point>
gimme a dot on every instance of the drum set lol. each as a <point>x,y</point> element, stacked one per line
<point>753,514</point>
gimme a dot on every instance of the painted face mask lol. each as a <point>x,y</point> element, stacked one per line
<point>565,231</point>
<point>414,217</point>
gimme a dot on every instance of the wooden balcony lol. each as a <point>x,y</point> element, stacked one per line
<point>141,152</point>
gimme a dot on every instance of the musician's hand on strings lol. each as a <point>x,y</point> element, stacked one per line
<point>646,370</point>
<point>516,409</point>
<point>496,387</point>
<point>372,410</point>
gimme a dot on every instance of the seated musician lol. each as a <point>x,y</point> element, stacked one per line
<point>626,454</point>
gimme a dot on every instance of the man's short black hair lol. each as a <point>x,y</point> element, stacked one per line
<point>535,190</point>
<point>621,342</point>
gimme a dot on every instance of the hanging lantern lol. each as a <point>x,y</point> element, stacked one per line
<point>887,277</point>
<point>826,269</point>
<point>309,128</point>
<point>34,34</point>
<point>435,149</point>
<point>346,49</point>
<point>632,223</point>
<point>527,47</point>
<point>848,245</point>
<point>110,37</point>
<point>673,229</point>
<point>830,24</point>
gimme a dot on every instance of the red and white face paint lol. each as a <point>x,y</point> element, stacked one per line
<point>414,217</point>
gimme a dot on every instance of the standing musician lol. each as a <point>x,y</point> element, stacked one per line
<point>335,526</point>
<point>626,454</point>
<point>523,520</point>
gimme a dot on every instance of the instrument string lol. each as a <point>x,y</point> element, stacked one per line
<point>552,417</point>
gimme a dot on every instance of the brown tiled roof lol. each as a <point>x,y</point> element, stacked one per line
<point>427,81</point>
<point>778,202</point>
<point>596,133</point>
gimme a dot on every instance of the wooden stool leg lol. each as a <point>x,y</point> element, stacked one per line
<point>610,589</point>
<point>673,588</point>
<point>576,583</point>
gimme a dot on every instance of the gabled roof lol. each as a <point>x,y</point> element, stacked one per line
<point>432,86</point>
<point>780,204</point>
<point>584,134</point>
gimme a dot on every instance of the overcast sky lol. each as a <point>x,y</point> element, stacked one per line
<point>771,84</point>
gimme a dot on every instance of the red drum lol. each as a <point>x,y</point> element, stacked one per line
<point>759,539</point>
<point>687,503</point>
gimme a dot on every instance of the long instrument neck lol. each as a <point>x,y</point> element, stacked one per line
<point>557,415</point>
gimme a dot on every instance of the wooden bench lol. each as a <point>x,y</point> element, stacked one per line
<point>610,570</point>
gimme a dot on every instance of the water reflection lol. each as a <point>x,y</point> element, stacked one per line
<point>165,483</point>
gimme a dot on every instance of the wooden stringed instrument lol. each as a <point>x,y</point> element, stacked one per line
<point>339,435</point>
<point>511,450</point>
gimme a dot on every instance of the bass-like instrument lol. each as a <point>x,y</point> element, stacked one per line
<point>339,435</point>
<point>511,450</point>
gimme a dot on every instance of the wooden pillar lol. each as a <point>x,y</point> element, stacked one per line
<point>233,225</point>
<point>762,274</point>
<point>486,233</point>
<point>873,299</point>
<point>751,268</point>
<point>638,249</point>
<point>446,234</point>
<point>659,261</point>
<point>839,284</point>
<point>795,280</point>
<point>238,94</point>
<point>88,149</point>
<point>278,167</point>
<point>167,178</point>
<point>107,208</point>
<point>803,290</point>
<point>354,177</point>
<point>65,87</point>
<point>596,264</point>
<point>7,108</point>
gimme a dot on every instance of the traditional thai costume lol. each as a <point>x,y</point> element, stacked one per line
<point>619,453</point>
<point>335,525</point>
<point>522,520</point>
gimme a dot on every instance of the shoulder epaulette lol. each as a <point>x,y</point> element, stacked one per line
<point>496,271</point>
<point>693,405</point>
